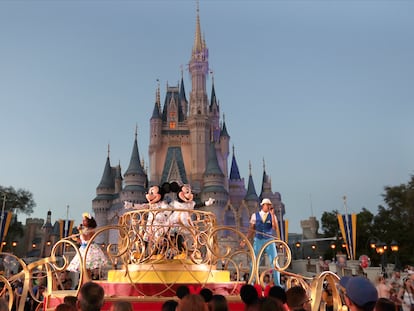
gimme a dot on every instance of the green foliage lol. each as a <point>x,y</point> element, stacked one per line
<point>19,200</point>
<point>396,221</point>
<point>330,225</point>
<point>364,232</point>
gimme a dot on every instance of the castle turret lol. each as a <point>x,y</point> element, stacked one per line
<point>183,98</point>
<point>214,184</point>
<point>134,178</point>
<point>214,112</point>
<point>275,197</point>
<point>237,190</point>
<point>251,198</point>
<point>118,179</point>
<point>224,148</point>
<point>104,194</point>
<point>47,238</point>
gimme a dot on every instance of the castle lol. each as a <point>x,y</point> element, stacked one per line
<point>189,143</point>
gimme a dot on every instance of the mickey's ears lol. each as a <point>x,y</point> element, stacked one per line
<point>175,187</point>
<point>165,187</point>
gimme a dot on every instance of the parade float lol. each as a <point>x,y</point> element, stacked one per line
<point>147,272</point>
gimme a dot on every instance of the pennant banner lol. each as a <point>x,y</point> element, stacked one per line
<point>284,230</point>
<point>347,224</point>
<point>286,233</point>
<point>65,228</point>
<point>6,218</point>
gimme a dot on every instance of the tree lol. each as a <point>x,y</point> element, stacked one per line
<point>396,221</point>
<point>17,200</point>
<point>330,226</point>
<point>364,232</point>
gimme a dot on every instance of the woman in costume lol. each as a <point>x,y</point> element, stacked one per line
<point>95,258</point>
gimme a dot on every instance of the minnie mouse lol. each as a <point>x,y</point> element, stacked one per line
<point>180,218</point>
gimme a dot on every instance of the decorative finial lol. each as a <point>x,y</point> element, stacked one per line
<point>109,149</point>
<point>224,117</point>
<point>264,165</point>
<point>182,71</point>
<point>212,76</point>
<point>233,149</point>
<point>157,94</point>
<point>136,131</point>
<point>250,168</point>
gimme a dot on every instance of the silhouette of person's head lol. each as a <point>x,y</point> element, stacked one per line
<point>91,297</point>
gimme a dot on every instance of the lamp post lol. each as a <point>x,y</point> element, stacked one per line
<point>313,246</point>
<point>372,243</point>
<point>381,247</point>
<point>333,248</point>
<point>395,248</point>
<point>371,248</point>
<point>298,245</point>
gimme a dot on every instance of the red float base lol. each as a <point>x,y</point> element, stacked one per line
<point>133,293</point>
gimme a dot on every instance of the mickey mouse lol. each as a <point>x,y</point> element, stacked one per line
<point>157,221</point>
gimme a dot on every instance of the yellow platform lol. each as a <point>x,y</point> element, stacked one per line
<point>169,272</point>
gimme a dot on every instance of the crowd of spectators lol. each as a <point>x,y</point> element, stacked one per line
<point>357,293</point>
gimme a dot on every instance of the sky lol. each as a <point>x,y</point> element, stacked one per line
<point>322,91</point>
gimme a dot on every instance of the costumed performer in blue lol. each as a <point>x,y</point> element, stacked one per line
<point>262,226</point>
<point>95,259</point>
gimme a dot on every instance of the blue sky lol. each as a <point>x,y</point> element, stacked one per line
<point>322,90</point>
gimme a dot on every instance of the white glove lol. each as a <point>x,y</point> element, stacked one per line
<point>128,205</point>
<point>209,202</point>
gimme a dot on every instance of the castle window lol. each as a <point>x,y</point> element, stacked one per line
<point>172,125</point>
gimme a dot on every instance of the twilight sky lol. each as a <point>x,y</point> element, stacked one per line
<point>322,90</point>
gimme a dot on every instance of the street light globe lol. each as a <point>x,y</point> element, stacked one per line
<point>394,246</point>
<point>381,247</point>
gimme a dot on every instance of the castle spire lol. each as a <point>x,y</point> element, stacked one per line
<point>234,170</point>
<point>107,181</point>
<point>135,167</point>
<point>251,194</point>
<point>198,39</point>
